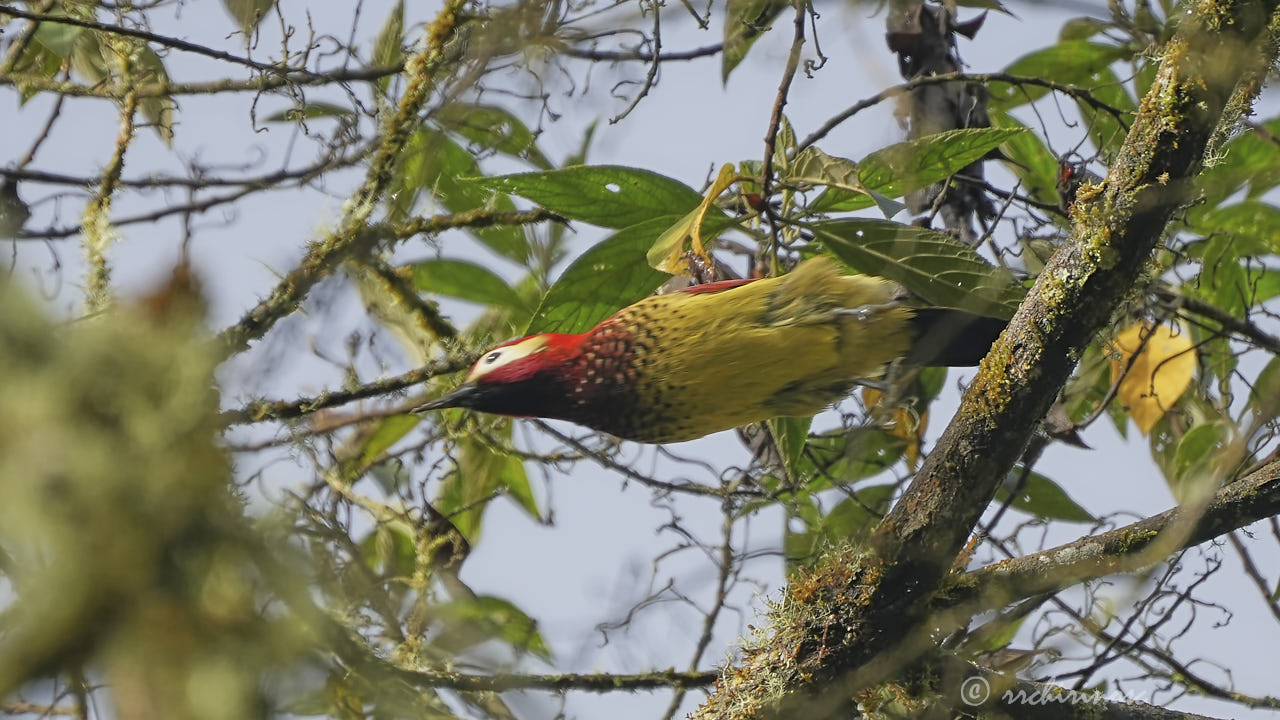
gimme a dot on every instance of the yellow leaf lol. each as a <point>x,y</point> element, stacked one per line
<point>904,424</point>
<point>1161,372</point>
<point>667,253</point>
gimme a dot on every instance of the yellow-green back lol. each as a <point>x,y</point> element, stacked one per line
<point>779,346</point>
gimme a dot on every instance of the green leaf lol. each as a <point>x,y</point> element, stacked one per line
<point>369,445</point>
<point>609,276</point>
<point>464,280</point>
<point>390,549</point>
<point>1253,227</point>
<point>1266,285</point>
<point>1031,160</point>
<point>494,128</point>
<point>471,621</point>
<point>482,471</point>
<point>309,111</point>
<point>850,520</point>
<point>1252,159</point>
<point>1223,280</point>
<point>1071,62</point>
<point>1042,497</point>
<point>668,251</point>
<point>610,196</point>
<point>744,22</point>
<point>1163,440</point>
<point>784,145</point>
<point>940,270</point>
<point>1104,127</point>
<point>58,38</point>
<point>904,167</point>
<point>1264,396</point>
<point>432,162</point>
<point>1082,28</point>
<point>39,60</point>
<point>247,13</point>
<point>993,635</point>
<point>844,457</point>
<point>389,431</point>
<point>388,49</point>
<point>841,178</point>
<point>986,5</point>
<point>1195,460</point>
<point>791,434</point>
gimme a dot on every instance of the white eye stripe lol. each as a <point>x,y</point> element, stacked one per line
<point>506,355</point>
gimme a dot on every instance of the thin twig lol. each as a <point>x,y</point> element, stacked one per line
<point>263,410</point>
<point>646,56</point>
<point>982,78</point>
<point>265,83</point>
<point>164,40</point>
<point>352,236</point>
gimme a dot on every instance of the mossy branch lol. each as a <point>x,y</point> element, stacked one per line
<point>352,235</point>
<point>95,225</point>
<point>1125,549</point>
<point>263,410</point>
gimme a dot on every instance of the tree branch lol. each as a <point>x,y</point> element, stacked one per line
<point>353,236</point>
<point>151,37</point>
<point>1132,547</point>
<point>264,83</point>
<point>264,410</point>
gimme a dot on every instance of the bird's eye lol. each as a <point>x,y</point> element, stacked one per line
<point>492,357</point>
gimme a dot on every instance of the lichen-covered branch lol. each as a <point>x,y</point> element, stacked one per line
<point>263,83</point>
<point>1126,549</point>
<point>263,410</point>
<point>353,236</point>
<point>590,682</point>
<point>836,631</point>
<point>95,225</point>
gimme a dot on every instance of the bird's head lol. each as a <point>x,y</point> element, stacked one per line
<point>524,377</point>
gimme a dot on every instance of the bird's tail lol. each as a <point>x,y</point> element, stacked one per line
<point>946,337</point>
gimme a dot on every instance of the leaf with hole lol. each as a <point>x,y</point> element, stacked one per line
<point>610,196</point>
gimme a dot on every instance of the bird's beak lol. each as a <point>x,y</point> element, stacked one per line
<point>461,396</point>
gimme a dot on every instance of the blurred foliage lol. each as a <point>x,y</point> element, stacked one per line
<point>126,550</point>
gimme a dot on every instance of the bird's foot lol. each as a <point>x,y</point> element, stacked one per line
<point>863,313</point>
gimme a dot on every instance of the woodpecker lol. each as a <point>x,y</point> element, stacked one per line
<point>684,364</point>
